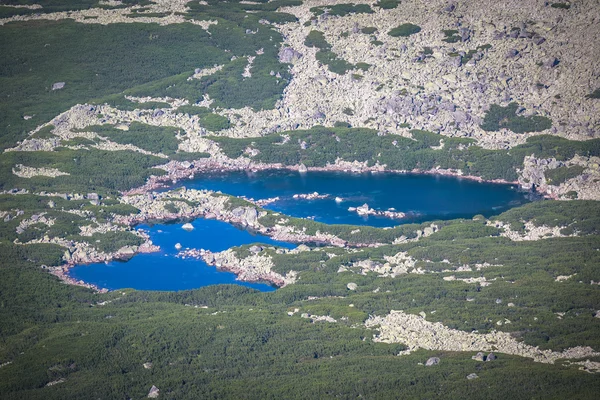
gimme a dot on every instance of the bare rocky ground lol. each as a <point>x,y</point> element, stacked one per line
<point>416,332</point>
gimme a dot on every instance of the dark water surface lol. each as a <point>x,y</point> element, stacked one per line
<point>422,197</point>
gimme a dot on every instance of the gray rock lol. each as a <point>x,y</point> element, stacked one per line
<point>302,168</point>
<point>450,7</point>
<point>58,85</point>
<point>352,286</point>
<point>255,249</point>
<point>512,53</point>
<point>479,357</point>
<point>246,215</point>
<point>154,392</point>
<point>538,40</point>
<point>465,34</point>
<point>460,117</point>
<point>551,62</point>
<point>289,55</point>
<point>158,113</point>
<point>432,361</point>
<point>456,61</point>
<point>472,376</point>
<point>491,357</point>
<point>319,115</point>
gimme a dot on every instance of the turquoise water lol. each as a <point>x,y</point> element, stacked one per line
<point>164,271</point>
<point>422,197</point>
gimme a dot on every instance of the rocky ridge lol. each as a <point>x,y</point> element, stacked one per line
<point>416,332</point>
<point>254,268</point>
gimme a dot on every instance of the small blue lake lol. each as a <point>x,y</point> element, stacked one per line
<point>422,197</point>
<point>164,271</point>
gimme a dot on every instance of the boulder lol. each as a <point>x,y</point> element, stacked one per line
<point>479,357</point>
<point>352,286</point>
<point>432,361</point>
<point>538,40</point>
<point>302,168</point>
<point>154,392</point>
<point>58,85</point>
<point>472,376</point>
<point>255,249</point>
<point>246,215</point>
<point>188,227</point>
<point>551,62</point>
<point>288,55</point>
<point>450,7</point>
<point>491,357</point>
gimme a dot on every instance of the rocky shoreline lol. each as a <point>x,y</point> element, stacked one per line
<point>177,171</point>
<point>214,207</point>
<point>255,269</point>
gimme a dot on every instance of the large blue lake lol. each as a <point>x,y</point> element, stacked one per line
<point>423,197</point>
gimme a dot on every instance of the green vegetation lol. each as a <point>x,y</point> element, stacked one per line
<point>64,334</point>
<point>185,156</point>
<point>325,145</point>
<point>582,216</point>
<point>469,54</point>
<point>112,241</point>
<point>404,30</point>
<point>594,95</point>
<point>157,139</point>
<point>120,102</point>
<point>499,117</point>
<point>368,30</point>
<point>227,349</point>
<point>564,6</point>
<point>328,57</point>
<point>90,170</point>
<point>214,122</point>
<point>93,60</point>
<point>451,36</point>
<point>388,4</point>
<point>561,174</point>
<point>342,9</point>
<point>244,345</point>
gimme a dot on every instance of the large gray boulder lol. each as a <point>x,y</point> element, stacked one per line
<point>246,215</point>
<point>432,361</point>
<point>289,55</point>
<point>154,392</point>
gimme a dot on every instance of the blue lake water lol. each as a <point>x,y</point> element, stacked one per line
<point>164,271</point>
<point>423,197</point>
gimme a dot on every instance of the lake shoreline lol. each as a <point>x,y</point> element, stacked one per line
<point>178,171</point>
<point>185,170</point>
